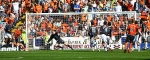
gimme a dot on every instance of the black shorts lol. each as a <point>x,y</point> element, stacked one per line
<point>130,38</point>
<point>60,41</point>
<point>17,40</point>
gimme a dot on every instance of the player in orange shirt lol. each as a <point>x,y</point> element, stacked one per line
<point>17,42</point>
<point>132,30</point>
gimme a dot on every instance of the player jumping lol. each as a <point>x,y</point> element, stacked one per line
<point>59,41</point>
<point>145,34</point>
<point>106,36</point>
<point>137,39</point>
<point>132,30</point>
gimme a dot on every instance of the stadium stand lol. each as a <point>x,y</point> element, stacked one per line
<point>13,11</point>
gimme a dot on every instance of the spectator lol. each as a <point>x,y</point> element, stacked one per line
<point>124,7</point>
<point>118,8</point>
<point>1,8</point>
<point>137,6</point>
<point>77,7</point>
<point>108,5</point>
<point>100,21</point>
<point>46,7</point>
<point>16,9</point>
<point>39,8</point>
<point>148,4</point>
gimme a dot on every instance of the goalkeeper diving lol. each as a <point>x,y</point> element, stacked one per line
<point>58,39</point>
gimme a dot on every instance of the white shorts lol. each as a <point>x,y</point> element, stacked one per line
<point>7,35</point>
<point>93,43</point>
<point>104,38</point>
<point>113,38</point>
<point>145,35</point>
<point>110,41</point>
<point>137,38</point>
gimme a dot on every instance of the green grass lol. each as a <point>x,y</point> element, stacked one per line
<point>74,55</point>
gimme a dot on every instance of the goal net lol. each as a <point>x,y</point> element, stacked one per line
<point>73,28</point>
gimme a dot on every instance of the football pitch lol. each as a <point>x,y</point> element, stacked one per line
<point>74,55</point>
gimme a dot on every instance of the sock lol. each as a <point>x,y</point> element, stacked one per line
<point>138,48</point>
<point>130,48</point>
<point>145,45</point>
<point>125,47</point>
<point>92,48</point>
<point>135,46</point>
<point>98,48</point>
<point>69,46</point>
<point>105,47</point>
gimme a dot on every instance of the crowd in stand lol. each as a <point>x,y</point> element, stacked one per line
<point>70,25</point>
<point>77,24</point>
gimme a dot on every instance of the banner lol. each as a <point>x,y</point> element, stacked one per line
<point>77,43</point>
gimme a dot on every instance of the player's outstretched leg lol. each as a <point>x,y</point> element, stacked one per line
<point>68,46</point>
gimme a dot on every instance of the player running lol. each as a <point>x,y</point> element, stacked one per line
<point>59,41</point>
<point>109,36</point>
<point>145,34</point>
<point>132,30</point>
<point>137,39</point>
<point>93,36</point>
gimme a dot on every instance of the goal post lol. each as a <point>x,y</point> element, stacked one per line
<point>42,24</point>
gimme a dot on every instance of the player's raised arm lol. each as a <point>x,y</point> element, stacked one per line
<point>51,37</point>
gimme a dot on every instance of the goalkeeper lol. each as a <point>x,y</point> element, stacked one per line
<point>59,41</point>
